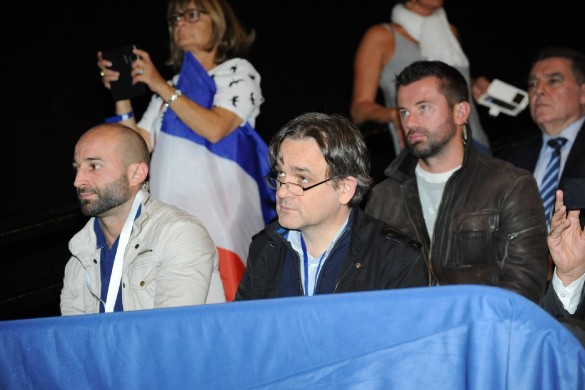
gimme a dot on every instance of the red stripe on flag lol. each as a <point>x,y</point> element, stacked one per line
<point>231,269</point>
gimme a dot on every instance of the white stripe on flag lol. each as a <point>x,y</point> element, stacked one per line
<point>214,189</point>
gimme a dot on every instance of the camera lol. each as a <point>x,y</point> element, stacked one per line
<point>503,97</point>
<point>122,59</point>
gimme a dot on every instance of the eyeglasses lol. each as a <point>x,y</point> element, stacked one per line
<point>190,16</point>
<point>295,189</point>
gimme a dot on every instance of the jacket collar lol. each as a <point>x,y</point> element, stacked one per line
<point>84,243</point>
<point>275,231</point>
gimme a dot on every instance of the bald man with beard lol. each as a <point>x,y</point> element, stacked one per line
<point>135,252</point>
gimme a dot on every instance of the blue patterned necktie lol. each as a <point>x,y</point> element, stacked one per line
<point>550,180</point>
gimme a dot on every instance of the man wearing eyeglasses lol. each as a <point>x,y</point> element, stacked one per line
<point>322,242</point>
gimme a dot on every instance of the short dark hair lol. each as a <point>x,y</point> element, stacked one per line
<point>576,57</point>
<point>341,144</point>
<point>452,84</point>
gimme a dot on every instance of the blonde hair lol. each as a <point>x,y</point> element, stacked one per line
<point>229,37</point>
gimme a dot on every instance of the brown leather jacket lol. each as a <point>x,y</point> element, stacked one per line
<point>490,227</point>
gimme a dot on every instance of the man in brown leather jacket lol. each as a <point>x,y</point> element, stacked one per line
<point>480,219</point>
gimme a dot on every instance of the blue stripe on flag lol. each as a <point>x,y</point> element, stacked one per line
<point>243,146</point>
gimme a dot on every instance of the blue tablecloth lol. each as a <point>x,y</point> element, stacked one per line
<point>452,337</point>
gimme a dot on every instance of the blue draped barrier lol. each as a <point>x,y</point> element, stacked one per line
<point>451,337</point>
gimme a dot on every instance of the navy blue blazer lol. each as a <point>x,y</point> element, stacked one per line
<point>526,154</point>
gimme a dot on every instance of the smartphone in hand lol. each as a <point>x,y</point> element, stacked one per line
<point>121,59</point>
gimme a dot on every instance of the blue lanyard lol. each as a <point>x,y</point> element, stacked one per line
<point>306,263</point>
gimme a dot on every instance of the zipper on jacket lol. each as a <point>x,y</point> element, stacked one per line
<point>318,281</point>
<point>511,237</point>
<point>430,271</point>
<point>442,203</point>
<point>420,235</point>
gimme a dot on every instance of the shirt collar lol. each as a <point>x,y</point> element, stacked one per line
<point>570,132</point>
<point>294,236</point>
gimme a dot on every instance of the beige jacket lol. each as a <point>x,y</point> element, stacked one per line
<point>170,260</point>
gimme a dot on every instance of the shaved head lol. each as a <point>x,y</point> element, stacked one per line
<point>127,143</point>
<point>111,162</point>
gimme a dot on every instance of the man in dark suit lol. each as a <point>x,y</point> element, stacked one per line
<point>556,87</point>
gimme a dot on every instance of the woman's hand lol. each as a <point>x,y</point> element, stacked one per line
<point>479,86</point>
<point>108,75</point>
<point>143,70</point>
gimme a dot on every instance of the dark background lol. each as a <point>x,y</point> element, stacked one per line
<point>303,51</point>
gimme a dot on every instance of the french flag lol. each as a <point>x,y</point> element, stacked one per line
<point>222,184</point>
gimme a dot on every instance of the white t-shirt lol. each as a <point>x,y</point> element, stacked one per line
<point>430,192</point>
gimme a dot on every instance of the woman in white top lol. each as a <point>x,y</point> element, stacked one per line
<point>206,156</point>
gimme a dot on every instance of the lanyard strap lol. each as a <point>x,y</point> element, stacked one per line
<point>306,264</point>
<point>116,276</point>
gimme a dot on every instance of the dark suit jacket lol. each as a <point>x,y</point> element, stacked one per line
<point>526,154</point>
<point>574,322</point>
